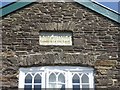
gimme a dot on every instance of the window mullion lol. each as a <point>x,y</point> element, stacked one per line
<point>69,79</point>
<point>81,81</point>
<point>33,82</point>
<point>47,79</point>
<point>57,81</point>
<point>66,80</point>
<point>43,83</point>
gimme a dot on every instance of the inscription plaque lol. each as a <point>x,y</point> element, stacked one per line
<point>55,38</point>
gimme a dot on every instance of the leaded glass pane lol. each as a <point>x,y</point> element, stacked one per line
<point>76,87</point>
<point>37,87</point>
<point>37,79</point>
<point>52,85</point>
<point>61,87</point>
<point>61,78</point>
<point>52,78</point>
<point>28,87</point>
<point>85,87</point>
<point>85,79</point>
<point>76,79</point>
<point>28,79</point>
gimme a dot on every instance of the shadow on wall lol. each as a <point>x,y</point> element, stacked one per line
<point>119,32</point>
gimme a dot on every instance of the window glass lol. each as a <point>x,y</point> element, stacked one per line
<point>85,87</point>
<point>76,82</point>
<point>28,87</point>
<point>76,87</point>
<point>37,79</point>
<point>52,80</point>
<point>58,78</point>
<point>28,79</point>
<point>76,79</point>
<point>37,82</point>
<point>37,87</point>
<point>61,87</point>
<point>61,82</point>
<point>52,77</point>
<point>61,78</point>
<point>85,79</point>
<point>52,85</point>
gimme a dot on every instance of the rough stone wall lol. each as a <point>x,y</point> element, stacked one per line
<point>96,42</point>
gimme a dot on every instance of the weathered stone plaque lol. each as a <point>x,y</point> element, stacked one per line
<point>55,38</point>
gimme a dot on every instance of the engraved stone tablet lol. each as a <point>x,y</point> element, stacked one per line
<point>55,38</point>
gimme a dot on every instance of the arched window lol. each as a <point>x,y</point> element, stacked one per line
<point>52,81</point>
<point>76,82</point>
<point>85,79</point>
<point>28,82</point>
<point>57,80</point>
<point>37,82</point>
<point>61,77</point>
<point>85,82</point>
<point>61,82</point>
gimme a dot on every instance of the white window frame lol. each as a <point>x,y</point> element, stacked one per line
<point>46,70</point>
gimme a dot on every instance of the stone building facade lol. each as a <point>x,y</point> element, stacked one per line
<point>95,38</point>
